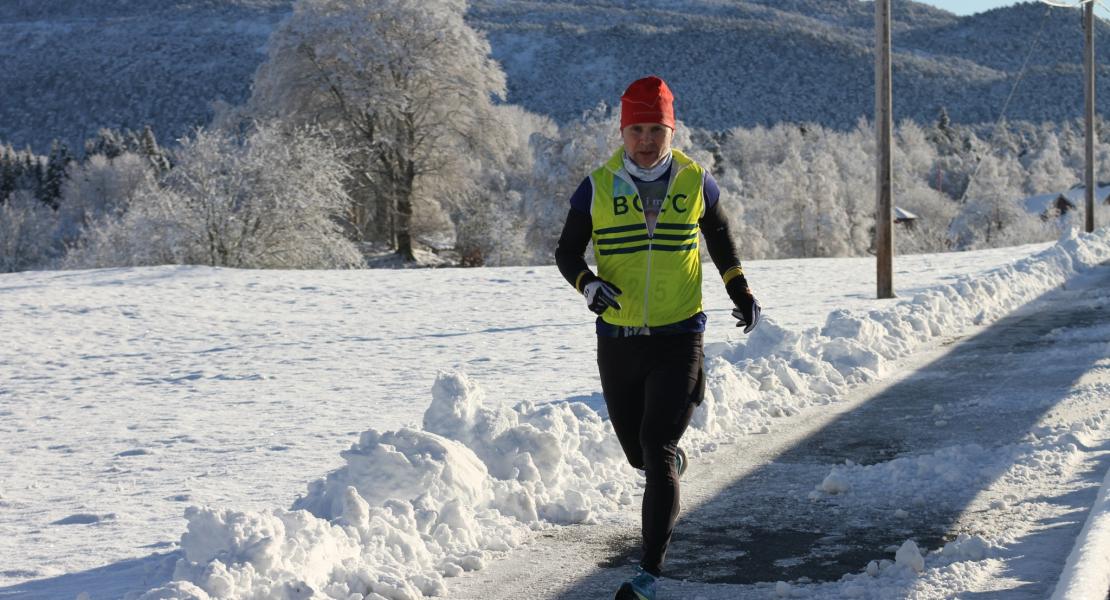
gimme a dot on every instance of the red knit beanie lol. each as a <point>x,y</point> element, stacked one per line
<point>647,100</point>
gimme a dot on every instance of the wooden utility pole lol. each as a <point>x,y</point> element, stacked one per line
<point>884,124</point>
<point>1089,85</point>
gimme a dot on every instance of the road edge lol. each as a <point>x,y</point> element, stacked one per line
<point>1086,574</point>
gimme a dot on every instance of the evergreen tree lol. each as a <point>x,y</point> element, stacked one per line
<point>148,147</point>
<point>108,142</point>
<point>8,172</point>
<point>31,173</point>
<point>50,188</point>
<point>941,135</point>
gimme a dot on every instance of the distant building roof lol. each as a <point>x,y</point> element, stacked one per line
<point>901,214</point>
<point>1040,203</point>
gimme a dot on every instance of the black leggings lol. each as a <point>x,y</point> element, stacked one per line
<point>652,385</point>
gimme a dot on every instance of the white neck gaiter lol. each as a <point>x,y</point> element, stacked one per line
<point>647,174</point>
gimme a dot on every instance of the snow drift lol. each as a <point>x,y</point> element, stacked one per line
<point>411,507</point>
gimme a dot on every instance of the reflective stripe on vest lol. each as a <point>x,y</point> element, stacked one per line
<point>659,275</point>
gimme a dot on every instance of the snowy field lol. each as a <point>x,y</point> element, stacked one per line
<point>128,396</point>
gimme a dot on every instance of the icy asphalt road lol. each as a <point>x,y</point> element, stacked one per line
<point>752,516</point>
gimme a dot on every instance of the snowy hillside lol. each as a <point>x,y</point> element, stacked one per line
<point>131,394</point>
<point>72,68</point>
<point>71,71</point>
<point>748,63</point>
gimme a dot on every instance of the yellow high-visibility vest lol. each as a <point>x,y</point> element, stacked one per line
<point>660,274</point>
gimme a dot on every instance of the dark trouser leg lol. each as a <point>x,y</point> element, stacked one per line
<point>673,390</point>
<point>619,361</point>
<point>652,385</point>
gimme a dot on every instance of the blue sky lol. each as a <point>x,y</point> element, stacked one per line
<point>970,7</point>
<point>967,7</point>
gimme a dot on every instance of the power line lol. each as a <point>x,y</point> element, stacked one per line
<point>1063,4</point>
<point>1099,4</point>
<point>1013,90</point>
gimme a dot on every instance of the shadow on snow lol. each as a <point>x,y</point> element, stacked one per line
<point>110,581</point>
<point>765,528</point>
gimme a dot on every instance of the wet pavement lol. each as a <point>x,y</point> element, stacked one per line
<point>765,527</point>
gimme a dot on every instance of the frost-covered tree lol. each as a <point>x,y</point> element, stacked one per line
<point>112,143</point>
<point>490,216</point>
<point>793,191</point>
<point>25,224</point>
<point>955,156</point>
<point>854,153</point>
<point>108,142</point>
<point>562,159</point>
<point>917,190</point>
<point>750,217</point>
<point>828,227</point>
<point>272,200</point>
<point>790,192</point>
<point>929,232</point>
<point>98,188</point>
<point>994,214</point>
<point>143,235</point>
<point>405,86</point>
<point>914,156</point>
<point>1047,172</point>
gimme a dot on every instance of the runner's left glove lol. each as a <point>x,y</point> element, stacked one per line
<point>601,295</point>
<point>747,307</point>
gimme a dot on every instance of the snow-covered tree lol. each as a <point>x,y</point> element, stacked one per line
<point>747,217</point>
<point>100,187</point>
<point>108,142</point>
<point>563,158</point>
<point>929,232</point>
<point>406,87</point>
<point>828,227</point>
<point>25,225</point>
<point>854,153</point>
<point>914,156</point>
<point>1047,172</point>
<point>994,214</point>
<point>270,201</point>
<point>491,217</point>
<point>142,235</point>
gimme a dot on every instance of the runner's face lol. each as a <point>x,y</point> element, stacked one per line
<point>647,143</point>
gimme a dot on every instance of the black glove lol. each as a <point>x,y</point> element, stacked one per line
<point>747,307</point>
<point>601,294</point>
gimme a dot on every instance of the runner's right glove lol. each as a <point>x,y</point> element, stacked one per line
<point>601,295</point>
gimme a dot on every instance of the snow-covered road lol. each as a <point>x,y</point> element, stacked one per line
<point>850,483</point>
